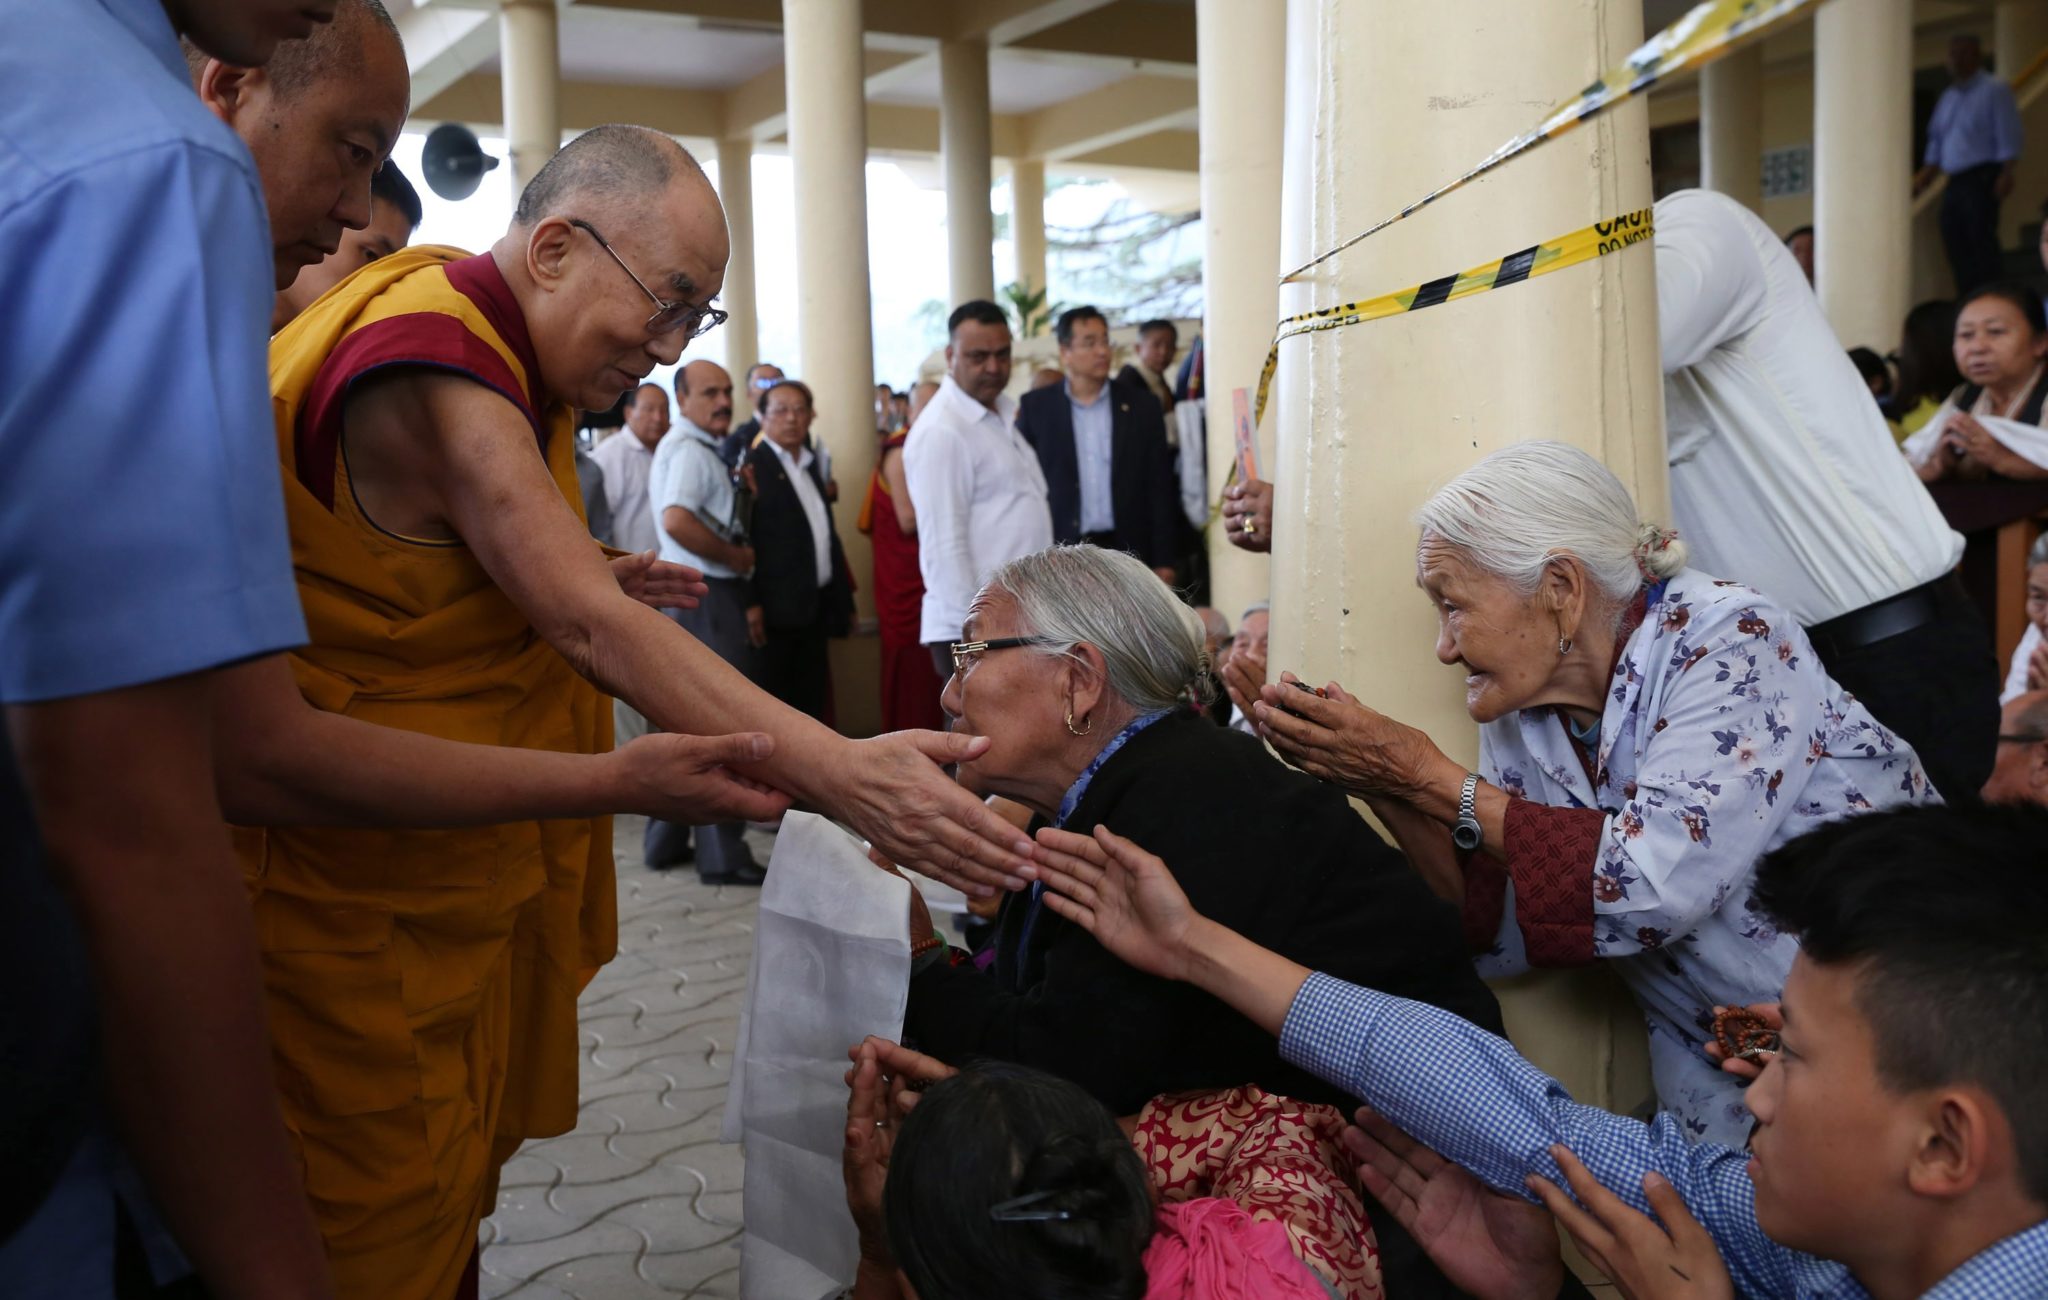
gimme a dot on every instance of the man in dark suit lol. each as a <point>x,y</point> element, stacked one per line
<point>1108,469</point>
<point>803,591</point>
<point>1158,343</point>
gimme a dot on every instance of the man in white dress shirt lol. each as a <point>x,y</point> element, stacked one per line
<point>1784,476</point>
<point>974,482</point>
<point>626,459</point>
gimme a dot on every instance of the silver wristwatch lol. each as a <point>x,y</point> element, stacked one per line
<point>1465,832</point>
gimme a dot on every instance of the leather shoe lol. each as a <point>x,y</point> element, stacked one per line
<point>750,873</point>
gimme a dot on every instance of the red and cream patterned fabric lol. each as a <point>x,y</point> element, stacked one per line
<point>1280,1159</point>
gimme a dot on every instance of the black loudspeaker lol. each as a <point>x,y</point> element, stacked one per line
<point>454,162</point>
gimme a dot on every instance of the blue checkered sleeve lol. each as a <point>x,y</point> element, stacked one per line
<point>1470,1096</point>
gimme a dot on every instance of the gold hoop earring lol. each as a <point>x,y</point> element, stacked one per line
<point>1070,724</point>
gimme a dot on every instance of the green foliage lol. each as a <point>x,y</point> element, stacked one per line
<point>1032,312</point>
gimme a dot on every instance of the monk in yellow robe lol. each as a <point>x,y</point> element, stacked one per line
<point>422,985</point>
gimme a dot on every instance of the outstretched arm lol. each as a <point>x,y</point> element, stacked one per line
<point>476,455</point>
<point>282,762</point>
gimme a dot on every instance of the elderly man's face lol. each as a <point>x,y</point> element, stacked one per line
<point>1013,697</point>
<point>2019,770</point>
<point>592,339</point>
<point>708,403</point>
<point>1506,641</point>
<point>647,414</point>
<point>787,418</point>
<point>316,146</point>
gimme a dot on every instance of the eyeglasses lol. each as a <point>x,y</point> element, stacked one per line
<point>2003,740</point>
<point>668,316</point>
<point>966,652</point>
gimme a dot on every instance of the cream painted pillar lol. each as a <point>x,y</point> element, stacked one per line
<point>1242,71</point>
<point>964,149</point>
<point>1863,167</point>
<point>828,156</point>
<point>742,325</point>
<point>1373,418</point>
<point>1027,221</point>
<point>1732,126</point>
<point>2020,30</point>
<point>531,76</point>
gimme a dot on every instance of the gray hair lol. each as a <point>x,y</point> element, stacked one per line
<point>1256,607</point>
<point>606,163</point>
<point>2038,552</point>
<point>1524,505</point>
<point>1151,643</point>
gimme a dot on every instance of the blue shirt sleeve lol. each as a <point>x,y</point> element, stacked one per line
<point>144,535</point>
<point>1471,1097</point>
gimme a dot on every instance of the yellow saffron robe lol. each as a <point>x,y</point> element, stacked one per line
<point>421,985</point>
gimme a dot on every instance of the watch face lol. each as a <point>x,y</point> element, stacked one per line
<point>1466,836</point>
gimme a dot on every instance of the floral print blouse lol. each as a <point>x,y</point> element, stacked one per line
<point>1723,737</point>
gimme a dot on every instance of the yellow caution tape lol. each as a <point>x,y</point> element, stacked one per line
<point>1596,240</point>
<point>1703,35</point>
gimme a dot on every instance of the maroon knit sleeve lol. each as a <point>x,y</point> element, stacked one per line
<point>1551,853</point>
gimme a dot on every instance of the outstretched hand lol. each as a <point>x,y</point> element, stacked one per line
<point>1674,1260</point>
<point>1491,1246</point>
<point>658,582</point>
<point>1120,894</point>
<point>690,779</point>
<point>894,792</point>
<point>1335,738</point>
<point>905,1073</point>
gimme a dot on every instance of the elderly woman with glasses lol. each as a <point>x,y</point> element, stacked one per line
<point>1647,733</point>
<point>1076,665</point>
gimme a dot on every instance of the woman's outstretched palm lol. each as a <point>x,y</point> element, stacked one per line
<point>1120,894</point>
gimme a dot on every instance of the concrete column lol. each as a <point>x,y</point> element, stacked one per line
<point>1863,167</point>
<point>1242,71</point>
<point>1372,418</point>
<point>1732,127</point>
<point>531,75</point>
<point>1027,221</point>
<point>828,155</point>
<point>742,326</point>
<point>964,149</point>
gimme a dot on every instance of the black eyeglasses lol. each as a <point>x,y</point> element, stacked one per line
<point>966,652</point>
<point>2021,740</point>
<point>668,316</point>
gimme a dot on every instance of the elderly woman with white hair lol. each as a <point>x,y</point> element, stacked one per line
<point>1647,732</point>
<point>1075,664</point>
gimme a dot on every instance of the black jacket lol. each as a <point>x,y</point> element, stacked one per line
<point>1268,851</point>
<point>1144,489</point>
<point>785,562</point>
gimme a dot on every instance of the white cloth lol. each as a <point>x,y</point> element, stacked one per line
<point>798,467</point>
<point>831,966</point>
<point>1723,737</point>
<point>1783,472</point>
<point>627,463</point>
<point>689,473</point>
<point>980,500</point>
<point>1193,465</point>
<point>2016,675</point>
<point>2022,439</point>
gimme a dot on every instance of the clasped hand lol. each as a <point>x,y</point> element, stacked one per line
<point>1336,738</point>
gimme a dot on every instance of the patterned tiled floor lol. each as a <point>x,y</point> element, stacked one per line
<point>641,1200</point>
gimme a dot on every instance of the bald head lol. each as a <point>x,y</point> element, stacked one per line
<point>335,49</point>
<point>606,168</point>
<point>2019,772</point>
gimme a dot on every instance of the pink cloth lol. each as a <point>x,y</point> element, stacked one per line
<point>1210,1249</point>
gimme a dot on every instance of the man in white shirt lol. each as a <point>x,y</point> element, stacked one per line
<point>975,483</point>
<point>692,500</point>
<point>627,458</point>
<point>1784,476</point>
<point>802,590</point>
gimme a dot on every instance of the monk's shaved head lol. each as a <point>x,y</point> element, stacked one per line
<point>604,167</point>
<point>334,49</point>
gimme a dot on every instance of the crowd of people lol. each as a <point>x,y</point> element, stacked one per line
<point>320,696</point>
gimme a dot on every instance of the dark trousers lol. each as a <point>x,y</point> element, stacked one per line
<point>796,667</point>
<point>1936,687</point>
<point>1969,226</point>
<point>720,622</point>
